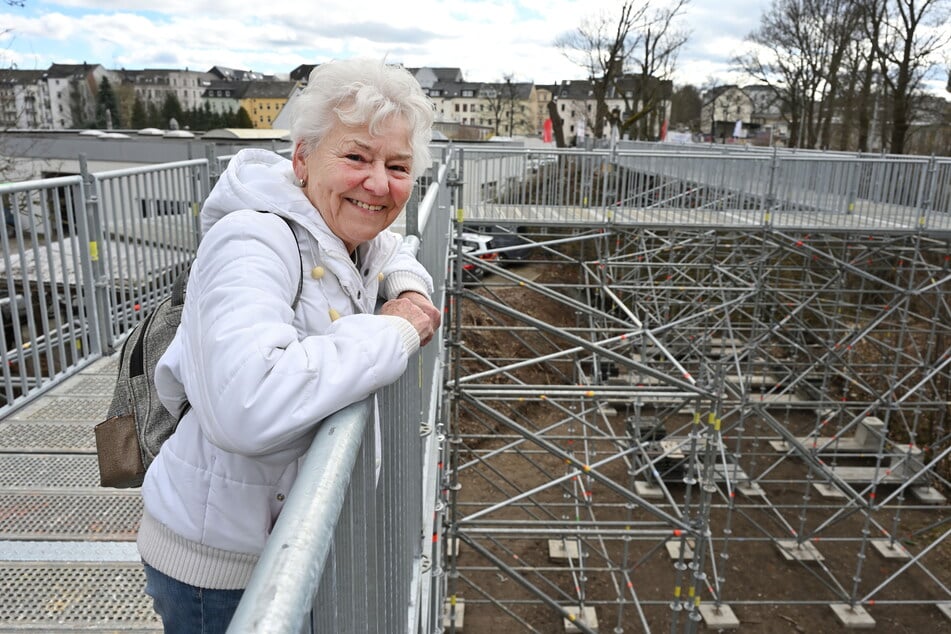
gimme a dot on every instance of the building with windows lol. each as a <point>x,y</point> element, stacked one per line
<point>24,100</point>
<point>72,90</point>
<point>725,111</point>
<point>264,100</point>
<point>153,85</point>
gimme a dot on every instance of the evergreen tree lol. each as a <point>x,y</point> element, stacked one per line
<point>243,119</point>
<point>107,106</point>
<point>140,118</point>
<point>154,116</point>
<point>172,109</point>
<point>209,118</point>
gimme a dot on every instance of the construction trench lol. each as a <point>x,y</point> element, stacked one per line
<point>672,429</point>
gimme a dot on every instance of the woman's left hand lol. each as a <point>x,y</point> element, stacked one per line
<point>422,302</point>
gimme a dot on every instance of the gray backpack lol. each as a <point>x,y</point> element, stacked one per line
<point>137,423</point>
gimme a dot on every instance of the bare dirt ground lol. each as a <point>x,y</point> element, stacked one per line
<point>766,592</point>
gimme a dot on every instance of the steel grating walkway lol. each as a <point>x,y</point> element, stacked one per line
<point>68,560</point>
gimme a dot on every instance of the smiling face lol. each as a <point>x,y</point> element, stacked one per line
<point>358,182</point>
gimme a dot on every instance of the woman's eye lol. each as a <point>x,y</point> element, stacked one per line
<point>354,157</point>
<point>400,168</point>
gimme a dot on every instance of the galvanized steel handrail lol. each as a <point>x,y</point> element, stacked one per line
<point>293,568</point>
<point>282,588</point>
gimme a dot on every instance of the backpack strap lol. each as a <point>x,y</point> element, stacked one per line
<point>300,256</point>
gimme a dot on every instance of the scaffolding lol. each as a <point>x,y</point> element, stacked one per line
<point>658,426</point>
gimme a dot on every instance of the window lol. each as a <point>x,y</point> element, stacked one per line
<point>465,107</point>
<point>457,107</point>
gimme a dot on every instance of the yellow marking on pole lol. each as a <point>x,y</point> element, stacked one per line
<point>94,250</point>
<point>460,214</point>
<point>677,592</point>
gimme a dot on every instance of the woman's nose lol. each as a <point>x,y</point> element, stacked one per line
<point>376,181</point>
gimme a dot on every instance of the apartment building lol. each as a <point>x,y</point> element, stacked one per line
<point>24,100</point>
<point>726,110</point>
<point>264,100</point>
<point>64,96</point>
<point>153,85</point>
<point>72,92</point>
<point>503,108</point>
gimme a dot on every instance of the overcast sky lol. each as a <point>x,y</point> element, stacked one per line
<point>487,39</point>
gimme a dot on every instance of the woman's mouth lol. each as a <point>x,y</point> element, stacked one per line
<point>363,205</point>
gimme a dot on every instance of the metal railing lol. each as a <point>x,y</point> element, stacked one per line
<point>47,285</point>
<point>86,257</point>
<point>351,551</point>
<point>703,188</point>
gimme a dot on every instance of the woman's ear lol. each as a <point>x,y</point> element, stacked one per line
<point>297,161</point>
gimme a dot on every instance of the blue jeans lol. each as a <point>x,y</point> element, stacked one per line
<point>187,609</point>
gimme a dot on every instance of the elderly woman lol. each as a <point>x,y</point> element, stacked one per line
<point>255,369</point>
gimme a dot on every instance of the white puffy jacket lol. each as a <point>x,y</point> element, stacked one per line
<point>258,375</point>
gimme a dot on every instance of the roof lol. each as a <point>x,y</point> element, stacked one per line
<point>511,90</point>
<point>247,134</point>
<point>15,76</point>
<point>235,74</point>
<point>449,90</point>
<point>70,70</point>
<point>269,89</point>
<point>302,72</point>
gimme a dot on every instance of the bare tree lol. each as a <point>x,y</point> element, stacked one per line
<point>507,109</point>
<point>640,37</point>
<point>657,41</point>
<point>686,105</point>
<point>601,46</point>
<point>906,38</point>
<point>799,49</point>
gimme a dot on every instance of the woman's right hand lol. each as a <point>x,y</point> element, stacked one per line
<point>408,310</point>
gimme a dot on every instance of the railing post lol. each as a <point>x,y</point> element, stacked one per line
<point>771,189</point>
<point>926,193</point>
<point>95,285</point>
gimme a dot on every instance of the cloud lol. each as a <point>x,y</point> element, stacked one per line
<point>487,39</point>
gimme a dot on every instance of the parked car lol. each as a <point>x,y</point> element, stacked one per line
<point>476,244</point>
<point>516,248</point>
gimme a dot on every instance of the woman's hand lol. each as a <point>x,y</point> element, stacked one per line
<point>418,310</point>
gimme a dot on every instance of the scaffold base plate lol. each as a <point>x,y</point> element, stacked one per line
<point>794,551</point>
<point>718,617</point>
<point>457,619</point>
<point>562,550</point>
<point>648,491</point>
<point>890,550</point>
<point>674,548</point>
<point>751,489</point>
<point>828,490</point>
<point>589,618</point>
<point>853,617</point>
<point>929,495</point>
